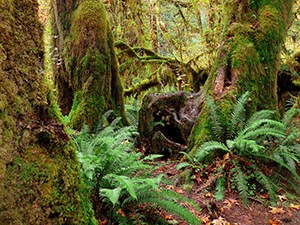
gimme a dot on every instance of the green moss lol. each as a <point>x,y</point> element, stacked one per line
<point>200,133</point>
<point>51,185</point>
<point>39,171</point>
<point>92,65</point>
<point>252,39</point>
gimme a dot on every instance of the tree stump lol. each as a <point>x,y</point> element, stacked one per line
<point>166,121</point>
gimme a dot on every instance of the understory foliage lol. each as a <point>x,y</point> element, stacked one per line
<point>118,178</point>
<point>255,155</point>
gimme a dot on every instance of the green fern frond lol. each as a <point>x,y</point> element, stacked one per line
<point>220,188</point>
<point>125,182</point>
<point>292,138</point>
<point>183,165</point>
<point>262,132</point>
<point>103,121</point>
<point>152,157</point>
<point>173,207</point>
<point>260,115</point>
<point>247,146</point>
<point>112,194</point>
<point>284,154</point>
<point>187,156</point>
<point>172,195</point>
<point>280,161</point>
<point>215,120</point>
<point>267,184</point>
<point>289,115</point>
<point>264,123</point>
<point>213,145</point>
<point>132,114</point>
<point>241,182</point>
<point>238,117</point>
<point>207,147</point>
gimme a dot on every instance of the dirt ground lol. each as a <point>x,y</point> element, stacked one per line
<point>229,211</point>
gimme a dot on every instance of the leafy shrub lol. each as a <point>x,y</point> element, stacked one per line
<point>254,153</point>
<point>119,179</point>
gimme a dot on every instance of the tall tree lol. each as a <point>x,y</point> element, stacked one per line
<point>39,173</point>
<point>89,84</point>
<point>248,59</point>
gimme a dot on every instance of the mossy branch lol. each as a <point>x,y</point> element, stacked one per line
<point>142,86</point>
<point>143,54</point>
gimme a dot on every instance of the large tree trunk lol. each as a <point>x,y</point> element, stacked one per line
<point>39,172</point>
<point>248,59</point>
<point>91,72</point>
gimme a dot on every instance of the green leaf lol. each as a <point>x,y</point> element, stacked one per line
<point>220,188</point>
<point>182,165</point>
<point>215,120</point>
<point>241,183</point>
<point>125,182</point>
<point>112,194</point>
<point>237,119</point>
<point>152,156</point>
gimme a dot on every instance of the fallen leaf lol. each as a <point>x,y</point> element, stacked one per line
<point>208,195</point>
<point>205,219</point>
<point>230,202</point>
<point>120,211</point>
<point>179,191</point>
<point>296,207</point>
<point>103,222</point>
<point>282,198</point>
<point>275,222</point>
<point>275,210</point>
<point>220,221</point>
<point>169,217</point>
<point>170,187</point>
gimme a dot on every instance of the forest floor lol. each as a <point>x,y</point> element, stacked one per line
<point>229,211</point>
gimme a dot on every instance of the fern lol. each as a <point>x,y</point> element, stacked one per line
<point>215,120</point>
<point>112,194</point>
<point>257,116</point>
<point>132,113</point>
<point>268,185</point>
<point>174,208</point>
<point>238,117</point>
<point>125,182</point>
<point>241,182</point>
<point>220,188</point>
<point>289,115</point>
<point>260,139</point>
<point>111,166</point>
<point>207,147</point>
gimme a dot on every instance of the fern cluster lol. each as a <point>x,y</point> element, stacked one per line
<point>119,177</point>
<point>257,152</point>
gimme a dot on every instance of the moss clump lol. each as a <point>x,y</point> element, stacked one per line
<point>248,59</point>
<point>39,171</point>
<point>92,67</point>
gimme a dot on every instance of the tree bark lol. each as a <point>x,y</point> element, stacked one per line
<point>91,72</point>
<point>39,172</point>
<point>248,59</point>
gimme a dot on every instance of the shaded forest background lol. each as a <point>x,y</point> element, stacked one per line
<point>148,112</point>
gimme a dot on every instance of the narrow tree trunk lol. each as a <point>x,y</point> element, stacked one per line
<point>248,59</point>
<point>39,173</point>
<point>91,72</point>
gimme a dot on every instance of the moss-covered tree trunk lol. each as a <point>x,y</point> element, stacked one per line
<point>39,173</point>
<point>248,59</point>
<point>90,75</point>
